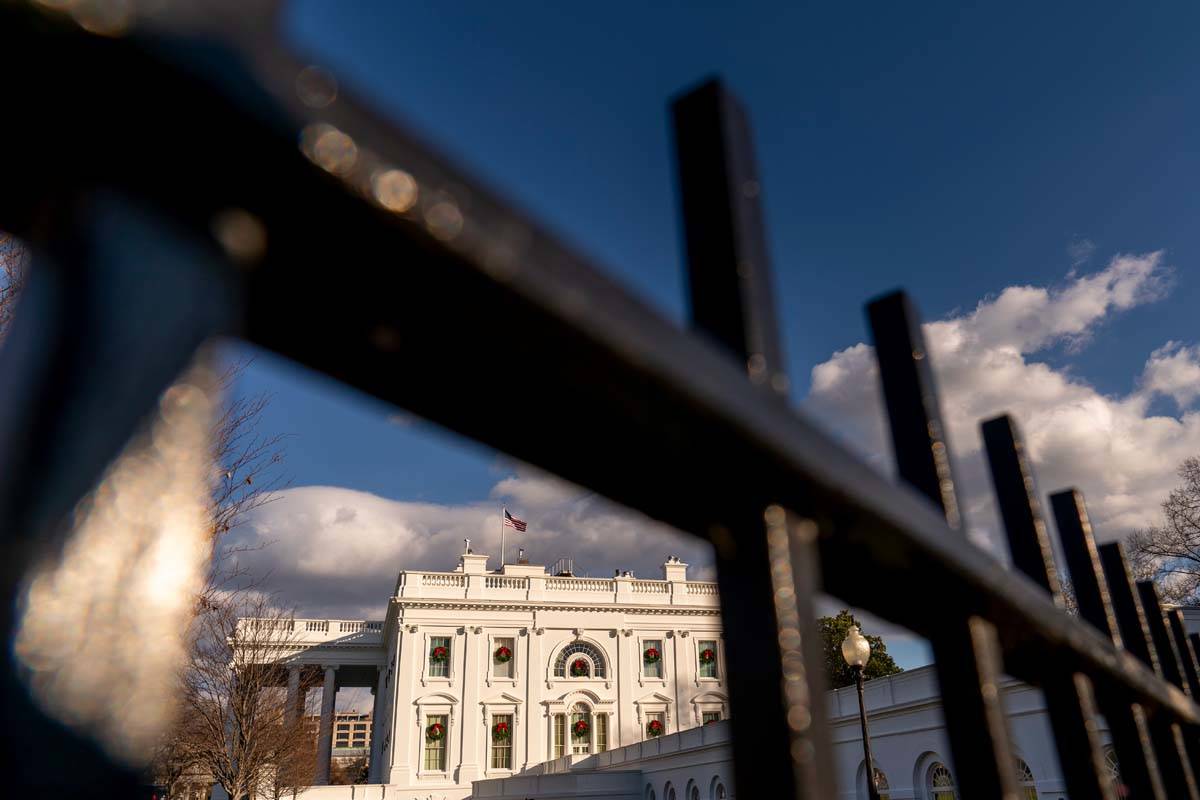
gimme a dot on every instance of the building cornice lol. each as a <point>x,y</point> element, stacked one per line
<point>534,605</point>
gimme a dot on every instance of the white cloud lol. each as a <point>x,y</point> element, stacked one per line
<point>1122,456</point>
<point>335,552</point>
<point>1173,371</point>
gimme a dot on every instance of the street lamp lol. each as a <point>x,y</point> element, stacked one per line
<point>857,651</point>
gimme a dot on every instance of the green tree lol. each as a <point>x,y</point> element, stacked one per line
<point>837,672</point>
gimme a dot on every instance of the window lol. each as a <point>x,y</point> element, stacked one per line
<point>707,655</point>
<point>581,728</point>
<point>1028,789</point>
<point>435,745</point>
<point>601,732</point>
<point>502,730</point>
<point>653,716</point>
<point>503,657</point>
<point>571,652</point>
<point>439,656</point>
<point>941,783</point>
<point>560,735</point>
<point>720,792</point>
<point>652,666</point>
<point>695,794</point>
<point>668,792</point>
<point>710,716</point>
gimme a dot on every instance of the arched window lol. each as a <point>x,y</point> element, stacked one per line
<point>589,653</point>
<point>940,782</point>
<point>881,785</point>
<point>721,791</point>
<point>1028,789</point>
<point>668,792</point>
<point>649,792</point>
<point>695,794</point>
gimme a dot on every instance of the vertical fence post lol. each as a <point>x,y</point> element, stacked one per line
<point>1127,722</point>
<point>1187,656</point>
<point>967,652</point>
<point>1170,661</point>
<point>767,562</point>
<point>1069,695</point>
<point>1094,598</point>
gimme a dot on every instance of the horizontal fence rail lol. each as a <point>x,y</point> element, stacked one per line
<point>373,260</point>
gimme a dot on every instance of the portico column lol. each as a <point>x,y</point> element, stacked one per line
<point>325,738</point>
<point>292,711</point>
<point>377,728</point>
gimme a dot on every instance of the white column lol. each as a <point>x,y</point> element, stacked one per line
<point>292,711</point>
<point>537,746</point>
<point>377,727</point>
<point>409,662</point>
<point>629,662</point>
<point>469,725</point>
<point>325,737</point>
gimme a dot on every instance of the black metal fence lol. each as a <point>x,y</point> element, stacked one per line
<point>177,188</point>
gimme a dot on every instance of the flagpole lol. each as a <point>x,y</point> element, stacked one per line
<point>502,510</point>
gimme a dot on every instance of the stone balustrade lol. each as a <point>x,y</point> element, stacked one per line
<point>556,589</point>
<point>320,631</point>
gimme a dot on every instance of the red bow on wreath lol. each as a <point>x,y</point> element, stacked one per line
<point>503,654</point>
<point>707,656</point>
<point>579,667</point>
<point>580,728</point>
<point>651,655</point>
<point>439,653</point>
<point>435,731</point>
<point>654,728</point>
<point>500,731</point>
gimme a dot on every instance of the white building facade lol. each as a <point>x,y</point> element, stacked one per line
<point>525,684</point>
<point>481,674</point>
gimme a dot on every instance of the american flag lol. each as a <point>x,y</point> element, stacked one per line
<point>512,522</point>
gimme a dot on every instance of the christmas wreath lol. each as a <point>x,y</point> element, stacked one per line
<point>503,655</point>
<point>439,654</point>
<point>580,728</point>
<point>579,668</point>
<point>501,732</point>
<point>707,656</point>
<point>435,732</point>
<point>652,655</point>
<point>654,728</point>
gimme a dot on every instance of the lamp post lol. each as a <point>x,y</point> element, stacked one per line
<point>857,651</point>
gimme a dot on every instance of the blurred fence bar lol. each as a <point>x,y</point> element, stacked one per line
<point>966,650</point>
<point>1070,699</point>
<point>689,427</point>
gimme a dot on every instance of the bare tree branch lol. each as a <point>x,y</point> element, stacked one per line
<point>1169,554</point>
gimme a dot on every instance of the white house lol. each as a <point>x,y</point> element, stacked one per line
<point>527,684</point>
<point>480,674</point>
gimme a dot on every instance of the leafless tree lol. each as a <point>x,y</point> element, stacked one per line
<point>247,462</point>
<point>244,732</point>
<point>1170,553</point>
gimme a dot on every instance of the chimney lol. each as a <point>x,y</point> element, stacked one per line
<point>470,562</point>
<point>674,570</point>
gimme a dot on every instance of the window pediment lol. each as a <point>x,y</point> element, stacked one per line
<point>502,699</point>
<point>654,698</point>
<point>436,699</point>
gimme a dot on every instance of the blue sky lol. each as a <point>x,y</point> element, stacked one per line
<point>951,149</point>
